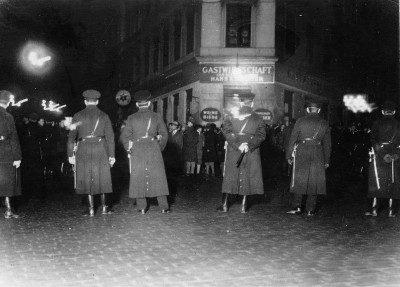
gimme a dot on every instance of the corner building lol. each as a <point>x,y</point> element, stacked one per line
<point>198,57</point>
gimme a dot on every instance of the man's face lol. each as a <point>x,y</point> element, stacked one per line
<point>189,124</point>
<point>41,122</point>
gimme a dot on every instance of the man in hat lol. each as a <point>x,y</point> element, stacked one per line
<point>309,152</point>
<point>189,149</point>
<point>384,167</point>
<point>244,133</point>
<point>10,156</point>
<point>91,150</point>
<point>144,137</point>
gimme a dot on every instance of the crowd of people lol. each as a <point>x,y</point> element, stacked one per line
<point>240,151</point>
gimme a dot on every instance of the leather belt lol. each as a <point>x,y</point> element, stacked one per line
<point>146,139</point>
<point>91,139</point>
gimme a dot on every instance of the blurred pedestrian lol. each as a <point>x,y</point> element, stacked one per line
<point>309,151</point>
<point>200,147</point>
<point>173,150</point>
<point>91,149</point>
<point>189,151</point>
<point>244,133</point>
<point>384,166</point>
<point>144,137</point>
<point>210,149</point>
<point>10,156</point>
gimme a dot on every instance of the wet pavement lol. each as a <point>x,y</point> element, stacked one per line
<point>196,246</point>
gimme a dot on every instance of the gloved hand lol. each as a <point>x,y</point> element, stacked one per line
<point>111,160</point>
<point>290,161</point>
<point>244,147</point>
<point>71,160</point>
<point>17,163</point>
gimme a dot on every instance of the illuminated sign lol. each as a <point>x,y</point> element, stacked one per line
<point>52,107</point>
<point>358,103</point>
<point>210,115</point>
<point>123,98</point>
<point>214,73</point>
<point>265,114</point>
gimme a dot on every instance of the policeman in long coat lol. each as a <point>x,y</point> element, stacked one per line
<point>244,133</point>
<point>144,137</point>
<point>91,149</point>
<point>10,156</point>
<point>384,166</point>
<point>309,151</point>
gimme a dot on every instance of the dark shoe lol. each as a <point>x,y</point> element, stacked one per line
<point>166,211</point>
<point>373,213</point>
<point>310,213</point>
<point>88,212</point>
<point>107,210</point>
<point>142,211</point>
<point>295,211</point>
<point>222,208</point>
<point>9,214</point>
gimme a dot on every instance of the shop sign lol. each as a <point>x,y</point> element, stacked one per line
<point>214,73</point>
<point>265,114</point>
<point>210,115</point>
<point>123,98</point>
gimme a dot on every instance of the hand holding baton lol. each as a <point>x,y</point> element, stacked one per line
<point>239,161</point>
<point>130,144</point>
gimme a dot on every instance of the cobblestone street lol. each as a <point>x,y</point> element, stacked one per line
<point>196,246</point>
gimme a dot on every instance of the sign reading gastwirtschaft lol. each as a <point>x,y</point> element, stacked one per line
<point>219,73</point>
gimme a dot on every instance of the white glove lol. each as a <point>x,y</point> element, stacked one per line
<point>111,160</point>
<point>244,147</point>
<point>17,163</point>
<point>71,160</point>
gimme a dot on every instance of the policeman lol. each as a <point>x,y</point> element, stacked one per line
<point>384,167</point>
<point>91,151</point>
<point>244,133</point>
<point>10,156</point>
<point>144,137</point>
<point>309,152</point>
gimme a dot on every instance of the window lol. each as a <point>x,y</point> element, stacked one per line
<point>156,52</point>
<point>288,102</point>
<point>176,105</point>
<point>189,99</point>
<point>166,44</point>
<point>238,25</point>
<point>189,30</point>
<point>177,36</point>
<point>165,109</point>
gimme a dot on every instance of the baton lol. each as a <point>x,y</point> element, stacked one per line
<point>16,176</point>
<point>239,161</point>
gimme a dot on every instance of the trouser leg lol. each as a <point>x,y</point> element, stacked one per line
<point>391,207</point>
<point>106,210</point>
<point>244,204</point>
<point>212,168</point>
<point>7,203</point>
<point>297,200</point>
<point>311,202</point>
<point>162,202</point>
<point>141,203</point>
<point>224,206</point>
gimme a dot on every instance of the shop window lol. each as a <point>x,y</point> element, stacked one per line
<point>165,109</point>
<point>189,99</point>
<point>238,25</point>
<point>189,30</point>
<point>176,106</point>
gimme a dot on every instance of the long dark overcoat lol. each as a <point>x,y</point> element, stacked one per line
<point>93,175</point>
<point>190,141</point>
<point>10,151</point>
<point>148,178</point>
<point>385,138</point>
<point>173,150</point>
<point>247,179</point>
<point>311,134</point>
<point>210,146</point>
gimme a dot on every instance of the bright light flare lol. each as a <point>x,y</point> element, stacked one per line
<point>69,125</point>
<point>52,106</point>
<point>358,103</point>
<point>35,58</point>
<point>16,104</point>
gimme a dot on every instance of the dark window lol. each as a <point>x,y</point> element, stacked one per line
<point>165,107</point>
<point>288,101</point>
<point>146,57</point>
<point>238,25</point>
<point>177,36</point>
<point>189,99</point>
<point>156,52</point>
<point>189,30</point>
<point>166,45</point>
<point>176,105</point>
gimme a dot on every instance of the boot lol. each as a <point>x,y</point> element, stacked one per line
<point>374,210</point>
<point>106,209</point>
<point>224,206</point>
<point>391,209</point>
<point>9,214</point>
<point>90,210</point>
<point>244,205</point>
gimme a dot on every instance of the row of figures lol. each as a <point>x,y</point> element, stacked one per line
<point>147,143</point>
